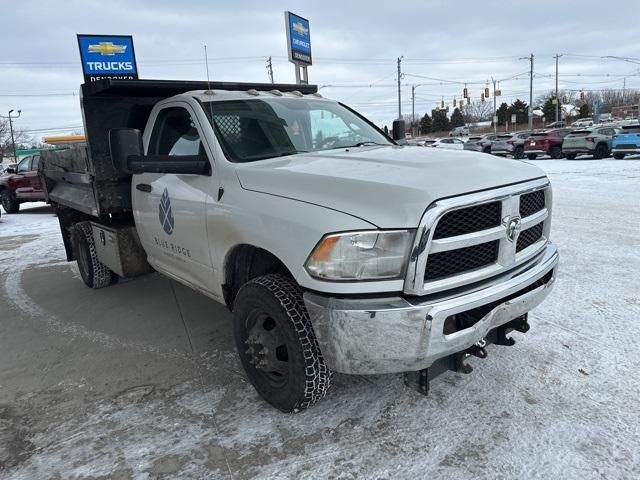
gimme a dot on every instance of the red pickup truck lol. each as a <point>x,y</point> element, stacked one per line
<point>545,143</point>
<point>22,184</point>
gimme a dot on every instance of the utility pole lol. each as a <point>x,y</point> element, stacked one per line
<point>413,108</point>
<point>13,141</point>
<point>557,99</point>
<point>624,89</point>
<point>495,111</point>
<point>530,116</point>
<point>399,95</point>
<point>270,69</point>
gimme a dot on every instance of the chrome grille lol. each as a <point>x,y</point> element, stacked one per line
<point>531,203</point>
<point>444,264</point>
<point>468,220</point>
<point>529,236</point>
<point>467,239</point>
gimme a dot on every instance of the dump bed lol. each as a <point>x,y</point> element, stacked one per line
<point>84,178</point>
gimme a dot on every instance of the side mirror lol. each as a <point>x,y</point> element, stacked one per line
<point>123,143</point>
<point>10,170</point>
<point>398,130</point>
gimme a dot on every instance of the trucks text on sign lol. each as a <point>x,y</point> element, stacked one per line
<point>107,56</point>
<point>298,39</point>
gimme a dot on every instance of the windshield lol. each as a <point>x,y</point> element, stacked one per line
<point>256,129</point>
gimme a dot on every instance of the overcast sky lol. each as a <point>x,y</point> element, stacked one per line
<point>354,45</point>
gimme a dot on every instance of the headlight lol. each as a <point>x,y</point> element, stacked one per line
<point>375,255</point>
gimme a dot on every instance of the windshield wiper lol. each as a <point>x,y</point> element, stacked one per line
<point>359,144</point>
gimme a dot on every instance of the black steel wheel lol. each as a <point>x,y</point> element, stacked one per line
<point>277,345</point>
<point>9,201</point>
<point>94,273</point>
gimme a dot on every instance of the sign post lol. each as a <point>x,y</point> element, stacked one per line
<point>107,56</point>
<point>298,44</point>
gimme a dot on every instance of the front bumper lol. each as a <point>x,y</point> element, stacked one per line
<point>398,334</point>
<point>628,151</point>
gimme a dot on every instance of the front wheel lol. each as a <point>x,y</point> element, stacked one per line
<point>532,156</point>
<point>618,156</point>
<point>9,202</point>
<point>277,345</point>
<point>94,273</point>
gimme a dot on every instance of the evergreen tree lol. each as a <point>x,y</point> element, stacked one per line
<point>457,119</point>
<point>440,122</point>
<point>520,109</point>
<point>425,124</point>
<point>585,111</point>
<point>549,110</point>
<point>502,113</point>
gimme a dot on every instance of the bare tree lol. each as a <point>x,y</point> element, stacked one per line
<point>6,145</point>
<point>478,111</point>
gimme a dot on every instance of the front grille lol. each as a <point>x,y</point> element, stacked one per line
<point>627,146</point>
<point>469,220</point>
<point>531,203</point>
<point>529,236</point>
<point>452,262</point>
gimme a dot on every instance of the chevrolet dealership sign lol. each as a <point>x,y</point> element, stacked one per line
<point>107,56</point>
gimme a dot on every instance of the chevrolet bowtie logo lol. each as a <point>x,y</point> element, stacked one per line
<point>107,48</point>
<point>300,29</point>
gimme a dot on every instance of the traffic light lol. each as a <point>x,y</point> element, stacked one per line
<point>454,103</point>
<point>442,104</point>
<point>498,93</point>
<point>465,92</point>
<point>468,100</point>
<point>486,92</point>
<point>482,97</point>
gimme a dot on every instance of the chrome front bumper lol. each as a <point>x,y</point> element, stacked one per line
<point>389,335</point>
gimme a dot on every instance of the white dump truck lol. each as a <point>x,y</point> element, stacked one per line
<point>336,248</point>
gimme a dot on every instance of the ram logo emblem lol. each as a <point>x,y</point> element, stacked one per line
<point>513,228</point>
<point>165,214</point>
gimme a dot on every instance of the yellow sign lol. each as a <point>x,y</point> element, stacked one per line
<point>107,48</point>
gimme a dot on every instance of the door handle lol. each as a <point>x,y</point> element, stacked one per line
<point>143,187</point>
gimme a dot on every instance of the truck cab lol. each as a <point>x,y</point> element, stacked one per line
<point>336,249</point>
<point>21,184</point>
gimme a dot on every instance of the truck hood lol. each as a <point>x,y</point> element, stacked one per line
<point>390,187</point>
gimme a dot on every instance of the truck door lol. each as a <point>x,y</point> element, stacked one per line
<point>170,209</point>
<point>34,179</point>
<point>21,183</point>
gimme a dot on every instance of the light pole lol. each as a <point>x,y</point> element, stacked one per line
<point>13,141</point>
<point>530,109</point>
<point>413,105</point>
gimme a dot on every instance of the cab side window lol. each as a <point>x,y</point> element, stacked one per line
<point>35,162</point>
<point>24,165</point>
<point>175,133</point>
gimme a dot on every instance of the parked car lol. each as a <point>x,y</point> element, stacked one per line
<point>459,132</point>
<point>589,141</point>
<point>583,122</point>
<point>21,185</point>
<point>626,142</point>
<point>448,143</point>
<point>480,144</point>
<point>510,144</point>
<point>558,124</point>
<point>548,142</point>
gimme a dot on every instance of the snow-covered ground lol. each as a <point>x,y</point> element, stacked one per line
<point>83,395</point>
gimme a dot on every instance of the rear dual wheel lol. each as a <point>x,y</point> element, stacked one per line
<point>94,273</point>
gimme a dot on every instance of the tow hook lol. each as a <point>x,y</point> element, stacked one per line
<point>520,324</point>
<point>478,350</point>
